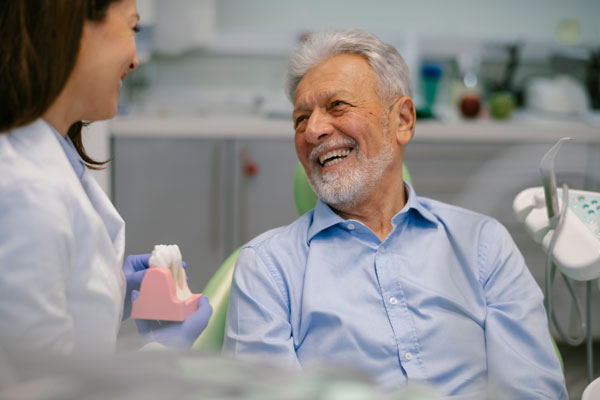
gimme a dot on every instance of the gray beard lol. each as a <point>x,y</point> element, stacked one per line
<point>343,189</point>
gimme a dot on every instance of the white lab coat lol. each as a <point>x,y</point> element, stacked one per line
<point>61,250</point>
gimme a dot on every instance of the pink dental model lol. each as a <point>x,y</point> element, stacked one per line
<point>164,293</point>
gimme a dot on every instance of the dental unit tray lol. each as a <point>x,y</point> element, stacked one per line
<point>577,248</point>
<point>570,236</point>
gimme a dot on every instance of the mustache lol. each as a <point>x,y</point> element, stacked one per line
<point>324,147</point>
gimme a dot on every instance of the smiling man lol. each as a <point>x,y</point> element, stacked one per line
<point>404,288</point>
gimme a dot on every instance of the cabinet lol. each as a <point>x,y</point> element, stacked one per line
<point>263,200</point>
<point>196,192</point>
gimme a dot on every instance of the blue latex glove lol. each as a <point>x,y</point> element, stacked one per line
<point>175,334</point>
<point>134,269</point>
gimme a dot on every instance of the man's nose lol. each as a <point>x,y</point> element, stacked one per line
<point>134,64</point>
<point>318,127</point>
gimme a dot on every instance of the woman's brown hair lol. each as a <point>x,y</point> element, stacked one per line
<point>39,43</point>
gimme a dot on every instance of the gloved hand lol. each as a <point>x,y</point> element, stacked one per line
<point>175,334</point>
<point>134,269</point>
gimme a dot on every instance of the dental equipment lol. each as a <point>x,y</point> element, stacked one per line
<point>164,292</point>
<point>567,224</point>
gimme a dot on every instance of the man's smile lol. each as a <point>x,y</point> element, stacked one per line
<point>333,157</point>
<point>333,152</point>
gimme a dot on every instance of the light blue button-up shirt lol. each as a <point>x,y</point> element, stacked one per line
<point>446,299</point>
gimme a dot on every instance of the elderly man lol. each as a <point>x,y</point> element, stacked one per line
<point>402,287</point>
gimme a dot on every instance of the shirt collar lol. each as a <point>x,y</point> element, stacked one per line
<point>413,203</point>
<point>324,217</point>
<point>70,151</point>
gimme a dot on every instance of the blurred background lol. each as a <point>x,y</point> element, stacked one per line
<point>202,147</point>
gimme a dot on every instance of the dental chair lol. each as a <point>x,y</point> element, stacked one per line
<point>218,288</point>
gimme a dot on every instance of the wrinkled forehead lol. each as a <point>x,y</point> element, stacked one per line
<point>319,97</point>
<point>345,74</point>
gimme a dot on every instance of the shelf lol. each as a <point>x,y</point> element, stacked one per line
<point>523,128</point>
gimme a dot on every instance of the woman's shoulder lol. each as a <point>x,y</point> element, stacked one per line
<point>32,197</point>
<point>30,191</point>
<point>32,163</point>
<point>20,177</point>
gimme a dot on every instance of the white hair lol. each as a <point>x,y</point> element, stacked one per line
<point>390,69</point>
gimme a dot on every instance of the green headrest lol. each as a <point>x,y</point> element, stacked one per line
<point>217,290</point>
<point>304,196</point>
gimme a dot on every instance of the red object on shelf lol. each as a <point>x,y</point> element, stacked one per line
<point>470,105</point>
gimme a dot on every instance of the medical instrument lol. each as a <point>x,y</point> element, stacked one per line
<point>567,224</point>
<point>164,294</point>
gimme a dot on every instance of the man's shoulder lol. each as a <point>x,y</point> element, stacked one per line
<point>445,211</point>
<point>282,250</point>
<point>463,221</point>
<point>273,239</point>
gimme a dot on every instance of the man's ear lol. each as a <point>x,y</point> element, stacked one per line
<point>402,119</point>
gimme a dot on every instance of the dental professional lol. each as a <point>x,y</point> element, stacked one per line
<point>64,287</point>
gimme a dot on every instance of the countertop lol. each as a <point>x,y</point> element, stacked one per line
<point>522,127</point>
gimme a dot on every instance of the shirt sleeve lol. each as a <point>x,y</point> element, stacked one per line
<point>522,361</point>
<point>36,255</point>
<point>258,323</point>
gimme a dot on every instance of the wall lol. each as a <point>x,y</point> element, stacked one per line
<point>508,19</point>
<point>243,65</point>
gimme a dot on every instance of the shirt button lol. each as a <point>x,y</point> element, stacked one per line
<point>393,300</point>
<point>351,226</point>
<point>408,355</point>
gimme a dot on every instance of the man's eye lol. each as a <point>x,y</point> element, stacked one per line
<point>338,104</point>
<point>301,119</point>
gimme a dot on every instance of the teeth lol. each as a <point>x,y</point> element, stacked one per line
<point>333,162</point>
<point>170,257</point>
<point>333,156</point>
<point>161,257</point>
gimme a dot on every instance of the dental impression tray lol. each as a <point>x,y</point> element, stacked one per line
<point>577,249</point>
<point>164,293</point>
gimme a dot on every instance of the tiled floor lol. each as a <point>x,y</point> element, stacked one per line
<point>575,362</point>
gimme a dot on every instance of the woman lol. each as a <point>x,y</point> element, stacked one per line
<point>62,285</point>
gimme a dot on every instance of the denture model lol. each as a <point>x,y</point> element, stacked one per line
<point>164,292</point>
